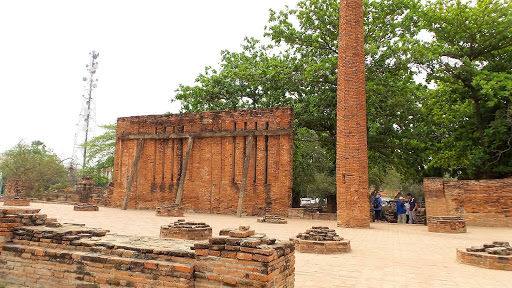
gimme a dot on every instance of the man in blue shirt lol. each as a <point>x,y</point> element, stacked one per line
<point>400,210</point>
<point>412,209</point>
<point>377,207</point>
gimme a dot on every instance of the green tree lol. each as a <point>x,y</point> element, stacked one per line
<point>303,74</point>
<point>36,166</point>
<point>469,59</point>
<point>100,155</point>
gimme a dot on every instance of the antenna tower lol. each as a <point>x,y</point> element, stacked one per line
<point>87,119</point>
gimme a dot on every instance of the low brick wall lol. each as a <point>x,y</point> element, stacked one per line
<point>16,202</point>
<point>302,213</point>
<point>186,230</point>
<point>480,202</point>
<point>243,258</point>
<point>43,253</point>
<point>274,219</point>
<point>496,255</point>
<point>321,240</point>
<point>172,210</point>
<point>85,207</point>
<point>446,224</point>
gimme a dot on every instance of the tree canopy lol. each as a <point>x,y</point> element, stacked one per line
<point>459,124</point>
<point>36,166</point>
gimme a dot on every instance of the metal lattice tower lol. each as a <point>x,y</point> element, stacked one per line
<point>87,119</point>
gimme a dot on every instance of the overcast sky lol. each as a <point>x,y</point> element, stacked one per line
<point>146,49</point>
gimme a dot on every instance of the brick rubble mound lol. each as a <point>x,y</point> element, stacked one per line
<point>496,255</point>
<point>86,207</point>
<point>321,240</point>
<point>274,219</point>
<point>40,252</point>
<point>188,230</point>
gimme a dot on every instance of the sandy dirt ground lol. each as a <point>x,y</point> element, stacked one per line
<point>386,255</point>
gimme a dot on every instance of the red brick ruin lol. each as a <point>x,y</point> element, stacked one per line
<point>222,162</point>
<point>496,255</point>
<point>351,150</point>
<point>479,202</point>
<point>39,252</point>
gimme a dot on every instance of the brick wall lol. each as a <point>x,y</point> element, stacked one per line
<point>214,172</point>
<point>351,152</point>
<point>43,253</point>
<point>479,202</point>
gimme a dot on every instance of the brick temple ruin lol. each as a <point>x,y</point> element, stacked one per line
<point>479,202</point>
<point>14,194</point>
<point>222,162</point>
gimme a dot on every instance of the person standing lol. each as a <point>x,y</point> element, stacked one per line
<point>413,207</point>
<point>377,207</point>
<point>407,206</point>
<point>400,210</point>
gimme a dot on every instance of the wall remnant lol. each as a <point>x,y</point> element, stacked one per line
<point>480,202</point>
<point>86,207</point>
<point>45,253</point>
<point>198,160</point>
<point>14,194</point>
<point>274,219</point>
<point>446,224</point>
<point>85,188</point>
<point>171,210</point>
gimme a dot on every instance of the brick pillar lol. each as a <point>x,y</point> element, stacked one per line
<point>435,200</point>
<point>351,151</point>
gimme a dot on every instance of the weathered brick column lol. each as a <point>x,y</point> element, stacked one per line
<point>351,147</point>
<point>435,199</point>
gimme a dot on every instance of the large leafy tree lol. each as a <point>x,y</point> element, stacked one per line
<point>36,166</point>
<point>469,59</point>
<point>303,74</point>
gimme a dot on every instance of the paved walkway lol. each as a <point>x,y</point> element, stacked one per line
<point>387,255</point>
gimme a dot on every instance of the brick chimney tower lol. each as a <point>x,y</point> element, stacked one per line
<point>351,146</point>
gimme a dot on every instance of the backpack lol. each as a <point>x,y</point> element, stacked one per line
<point>375,203</point>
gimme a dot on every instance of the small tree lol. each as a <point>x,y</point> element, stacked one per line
<point>100,155</point>
<point>37,167</point>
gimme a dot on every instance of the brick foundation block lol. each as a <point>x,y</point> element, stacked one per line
<point>85,207</point>
<point>274,219</point>
<point>446,224</point>
<point>17,202</point>
<point>172,210</point>
<point>483,260</point>
<point>186,230</point>
<point>322,247</point>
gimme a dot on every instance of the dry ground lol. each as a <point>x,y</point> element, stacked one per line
<point>387,255</point>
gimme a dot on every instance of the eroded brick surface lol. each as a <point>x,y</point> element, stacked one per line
<point>351,151</point>
<point>479,202</point>
<point>496,255</point>
<point>214,173</point>
<point>41,252</point>
<point>171,210</point>
<point>446,224</point>
<point>321,240</point>
<point>188,230</point>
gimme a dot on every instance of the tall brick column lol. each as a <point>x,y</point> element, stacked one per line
<point>351,150</point>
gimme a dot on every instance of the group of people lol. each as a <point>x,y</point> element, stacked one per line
<point>405,209</point>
